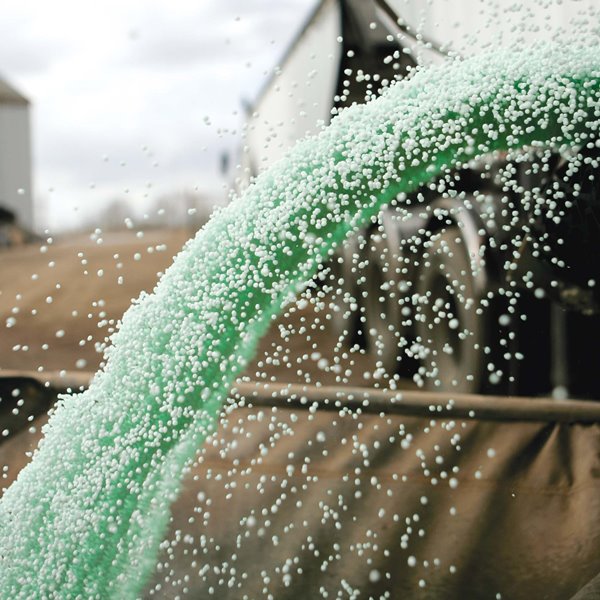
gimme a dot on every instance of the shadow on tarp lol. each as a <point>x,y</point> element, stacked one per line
<point>308,492</point>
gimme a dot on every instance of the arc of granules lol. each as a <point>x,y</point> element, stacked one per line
<point>85,518</point>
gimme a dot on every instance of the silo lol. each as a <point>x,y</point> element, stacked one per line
<point>16,194</point>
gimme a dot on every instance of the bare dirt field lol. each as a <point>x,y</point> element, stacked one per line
<point>60,301</point>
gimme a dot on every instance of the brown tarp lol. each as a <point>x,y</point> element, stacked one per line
<point>363,511</point>
<point>469,499</point>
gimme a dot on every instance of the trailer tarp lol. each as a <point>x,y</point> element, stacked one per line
<point>291,501</point>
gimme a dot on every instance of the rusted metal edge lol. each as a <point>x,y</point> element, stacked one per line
<point>373,401</point>
<point>417,403</point>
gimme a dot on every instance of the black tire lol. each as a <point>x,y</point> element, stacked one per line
<point>345,303</point>
<point>449,330</point>
<point>383,305</point>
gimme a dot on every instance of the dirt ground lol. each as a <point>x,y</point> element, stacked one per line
<point>60,301</point>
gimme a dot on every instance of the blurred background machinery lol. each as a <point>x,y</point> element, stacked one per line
<point>16,198</point>
<point>484,281</point>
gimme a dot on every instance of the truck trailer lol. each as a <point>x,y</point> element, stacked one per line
<point>484,281</point>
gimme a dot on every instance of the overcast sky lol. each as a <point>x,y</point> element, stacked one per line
<point>136,97</point>
<point>139,98</point>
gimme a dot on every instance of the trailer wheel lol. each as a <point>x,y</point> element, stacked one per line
<point>345,304</point>
<point>449,331</point>
<point>383,303</point>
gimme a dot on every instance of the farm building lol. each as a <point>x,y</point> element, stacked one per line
<point>16,197</point>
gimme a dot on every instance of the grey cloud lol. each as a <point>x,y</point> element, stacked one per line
<point>214,37</point>
<point>123,159</point>
<point>25,50</point>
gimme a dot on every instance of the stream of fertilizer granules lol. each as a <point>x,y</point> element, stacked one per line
<point>85,518</point>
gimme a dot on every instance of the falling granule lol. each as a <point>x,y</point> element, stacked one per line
<point>86,517</point>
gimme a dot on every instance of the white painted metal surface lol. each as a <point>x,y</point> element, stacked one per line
<point>470,26</point>
<point>300,96</point>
